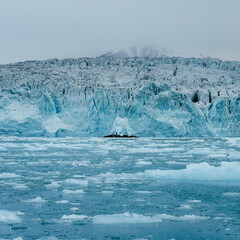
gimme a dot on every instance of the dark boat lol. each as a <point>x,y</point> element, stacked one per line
<point>120,136</point>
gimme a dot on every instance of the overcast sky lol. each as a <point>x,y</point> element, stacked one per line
<point>43,29</point>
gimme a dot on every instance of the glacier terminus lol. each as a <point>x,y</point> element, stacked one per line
<point>159,97</point>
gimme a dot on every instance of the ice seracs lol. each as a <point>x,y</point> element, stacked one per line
<point>159,96</point>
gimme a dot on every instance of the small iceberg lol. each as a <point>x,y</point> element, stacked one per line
<point>121,129</point>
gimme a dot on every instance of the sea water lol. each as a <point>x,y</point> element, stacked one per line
<point>96,188</point>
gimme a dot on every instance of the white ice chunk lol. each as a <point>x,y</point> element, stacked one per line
<point>9,217</point>
<point>62,202</point>
<point>20,187</point>
<point>233,141</point>
<point>19,213</point>
<point>128,218</point>
<point>142,192</point>
<point>36,200</point>
<point>74,209</point>
<point>82,163</point>
<point>52,185</point>
<point>234,156</point>
<point>72,181</point>
<point>73,192</point>
<point>125,218</point>
<point>107,192</point>
<point>185,206</point>
<point>143,163</point>
<point>233,194</point>
<point>121,127</point>
<point>47,238</point>
<point>73,217</point>
<point>199,172</point>
<point>9,175</point>
<point>194,201</point>
<point>183,218</point>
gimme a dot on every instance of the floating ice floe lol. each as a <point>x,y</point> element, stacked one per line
<point>142,192</point>
<point>20,186</point>
<point>202,171</point>
<point>9,175</point>
<point>9,217</point>
<point>74,209</point>
<point>133,218</point>
<point>52,185</point>
<point>106,192</point>
<point>73,217</point>
<point>73,192</point>
<point>185,206</point>
<point>234,156</point>
<point>199,172</point>
<point>233,141</point>
<point>35,200</point>
<point>194,201</point>
<point>62,202</point>
<point>47,238</point>
<point>72,181</point>
<point>143,163</point>
<point>233,194</point>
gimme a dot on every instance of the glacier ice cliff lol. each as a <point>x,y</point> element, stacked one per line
<point>163,96</point>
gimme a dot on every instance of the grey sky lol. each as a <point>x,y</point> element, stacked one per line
<point>43,29</point>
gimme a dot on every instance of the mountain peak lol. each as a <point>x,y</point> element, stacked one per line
<point>146,51</point>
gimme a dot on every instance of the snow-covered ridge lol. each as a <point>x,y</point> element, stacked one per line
<point>134,51</point>
<point>158,96</point>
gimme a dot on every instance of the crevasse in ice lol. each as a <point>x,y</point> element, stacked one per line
<point>83,97</point>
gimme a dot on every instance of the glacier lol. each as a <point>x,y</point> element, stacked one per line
<point>158,97</point>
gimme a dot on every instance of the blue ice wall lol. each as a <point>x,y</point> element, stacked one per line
<point>83,97</point>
